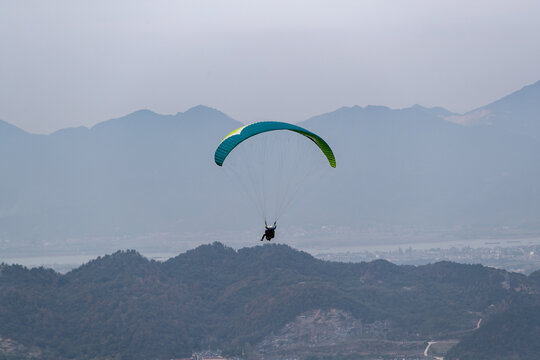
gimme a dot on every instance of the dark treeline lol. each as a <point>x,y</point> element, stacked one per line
<point>125,306</point>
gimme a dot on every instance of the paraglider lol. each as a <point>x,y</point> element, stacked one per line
<point>271,165</point>
<point>269,231</point>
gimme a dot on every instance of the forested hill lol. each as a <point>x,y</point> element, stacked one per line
<point>127,306</point>
<point>512,334</point>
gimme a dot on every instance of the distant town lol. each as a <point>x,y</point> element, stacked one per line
<point>523,259</point>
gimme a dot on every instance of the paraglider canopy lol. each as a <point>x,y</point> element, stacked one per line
<point>245,132</point>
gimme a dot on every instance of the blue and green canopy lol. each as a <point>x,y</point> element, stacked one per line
<point>232,140</point>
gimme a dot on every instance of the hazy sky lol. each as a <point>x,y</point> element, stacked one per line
<point>72,63</point>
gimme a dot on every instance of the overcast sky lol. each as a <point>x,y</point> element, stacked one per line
<point>73,63</point>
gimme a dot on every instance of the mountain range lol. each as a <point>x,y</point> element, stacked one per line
<point>151,178</point>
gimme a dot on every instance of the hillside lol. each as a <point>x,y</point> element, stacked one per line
<point>216,297</point>
<point>512,334</point>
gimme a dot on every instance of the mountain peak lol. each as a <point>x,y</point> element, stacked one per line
<point>142,112</point>
<point>108,266</point>
<point>515,113</point>
<point>206,251</point>
<point>203,112</point>
<point>202,108</point>
<point>141,117</point>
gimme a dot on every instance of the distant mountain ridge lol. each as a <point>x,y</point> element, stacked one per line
<point>215,297</point>
<point>151,175</point>
<point>524,99</point>
<point>516,113</point>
